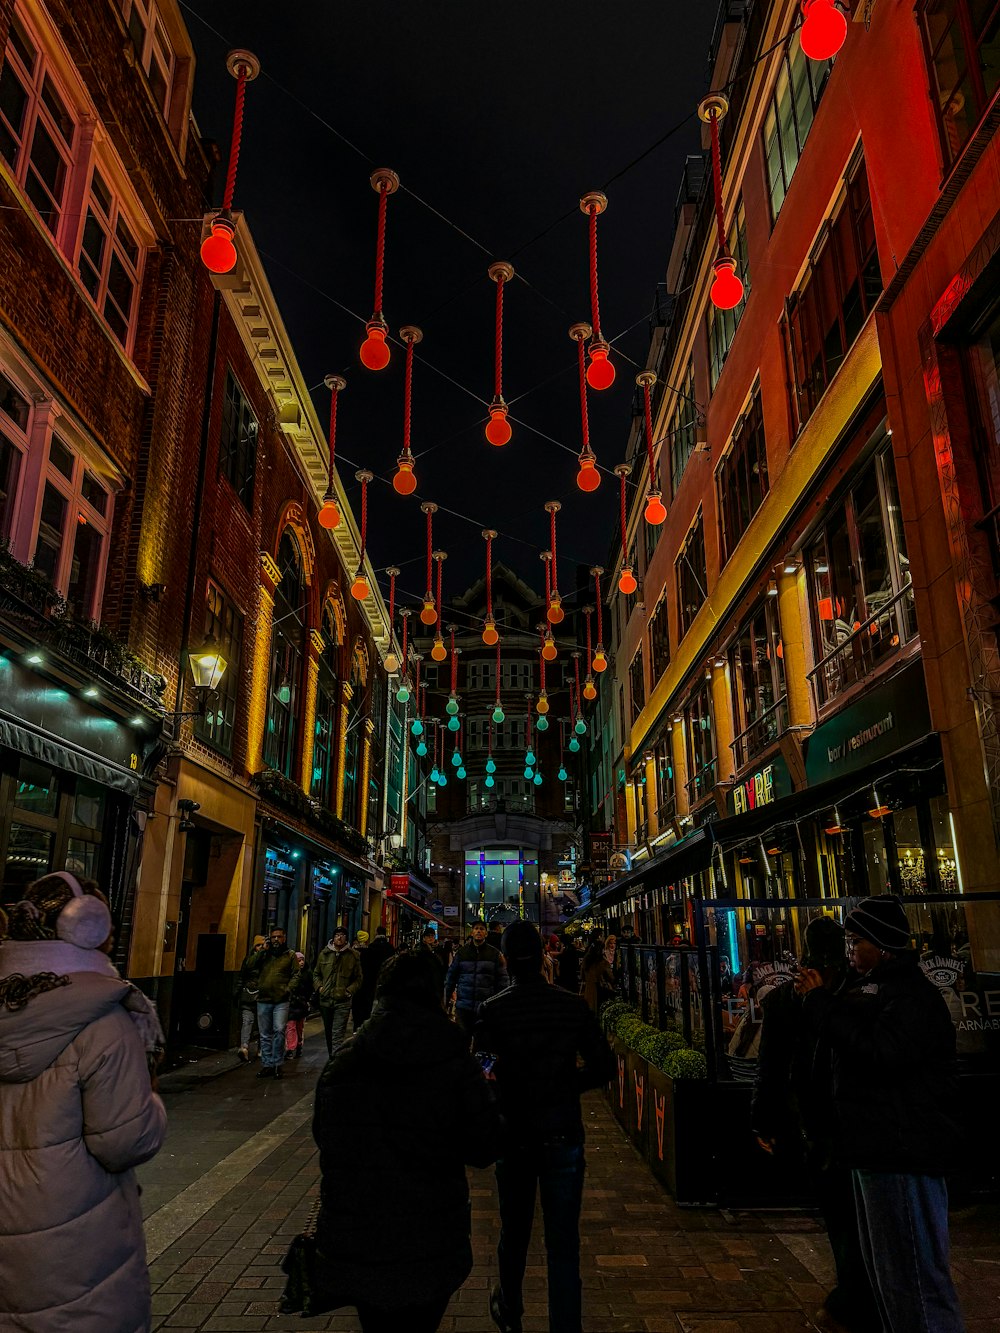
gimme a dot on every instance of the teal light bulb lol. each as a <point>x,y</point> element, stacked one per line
<point>434,773</point>
<point>574,744</point>
<point>498,714</point>
<point>538,779</point>
<point>454,723</point>
<point>490,765</point>
<point>461,771</point>
<point>422,749</point>
<point>451,707</point>
<point>456,760</point>
<point>529,772</point>
<point>542,724</point>
<point>529,758</point>
<point>418,727</point>
<point>581,727</point>
<point>403,694</point>
<point>491,781</point>
<point>562,774</point>
<point>443,780</point>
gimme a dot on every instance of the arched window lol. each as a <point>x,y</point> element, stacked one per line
<point>353,747</point>
<point>327,696</point>
<point>287,644</point>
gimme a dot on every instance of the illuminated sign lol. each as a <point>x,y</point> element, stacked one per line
<point>757,790</point>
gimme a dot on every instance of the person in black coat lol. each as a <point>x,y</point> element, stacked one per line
<point>568,976</point>
<point>371,957</point>
<point>393,1234</point>
<point>431,958</point>
<point>894,1083</point>
<point>477,971</point>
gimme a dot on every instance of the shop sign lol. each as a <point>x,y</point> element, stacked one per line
<point>451,910</point>
<point>760,788</point>
<point>972,1010</point>
<point>399,886</point>
<point>884,721</point>
<point>567,880</point>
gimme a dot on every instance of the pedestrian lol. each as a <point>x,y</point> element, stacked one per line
<point>431,958</point>
<point>299,1001</point>
<point>477,971</point>
<point>547,1048</point>
<point>598,975</point>
<point>338,979</point>
<point>569,966</point>
<point>275,969</point>
<point>364,997</point>
<point>553,955</point>
<point>894,1073</point>
<point>393,1234</point>
<point>792,1116</point>
<point>248,988</point>
<point>494,936</point>
<point>78,1112</point>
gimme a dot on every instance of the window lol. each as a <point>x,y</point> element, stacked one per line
<point>14,413</point>
<point>110,258</point>
<point>859,578</point>
<point>742,478</point>
<point>722,324</point>
<point>71,539</point>
<point>327,709</point>
<point>659,641</point>
<point>352,745</point>
<point>757,681</point>
<point>238,448</point>
<point>287,642</point>
<point>152,49</point>
<point>682,431</point>
<point>789,119</point>
<point>224,624</point>
<point>827,313</point>
<point>692,578</point>
<point>54,822</point>
<point>481,676</point>
<point>515,676</point>
<point>963,48</point>
<point>36,128</point>
<point>637,685</point>
<point>701,745</point>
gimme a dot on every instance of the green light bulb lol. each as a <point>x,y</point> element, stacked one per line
<point>574,744</point>
<point>490,765</point>
<point>453,724</point>
<point>542,724</point>
<point>403,695</point>
<point>538,779</point>
<point>491,782</point>
<point>456,760</point>
<point>529,773</point>
<point>498,714</point>
<point>562,775</point>
<point>461,771</point>
<point>451,707</point>
<point>529,758</point>
<point>581,727</point>
<point>418,727</point>
<point>422,749</point>
<point>434,773</point>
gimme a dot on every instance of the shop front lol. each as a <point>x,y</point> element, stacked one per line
<point>408,904</point>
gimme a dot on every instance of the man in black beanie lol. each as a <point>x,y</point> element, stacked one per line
<point>892,1045</point>
<point>547,1049</point>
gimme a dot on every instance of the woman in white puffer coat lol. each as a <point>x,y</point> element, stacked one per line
<point>77,1113</point>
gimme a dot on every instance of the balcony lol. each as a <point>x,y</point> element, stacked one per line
<point>700,785</point>
<point>865,648</point>
<point>763,731</point>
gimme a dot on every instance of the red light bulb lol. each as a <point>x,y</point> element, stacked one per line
<point>218,253</point>
<point>655,509</point>
<point>498,429</point>
<point>329,514</point>
<point>404,482</point>
<point>824,29</point>
<point>626,581</point>
<point>588,478</point>
<point>490,635</point>
<point>727,289</point>
<point>600,662</point>
<point>428,615</point>
<point>359,588</point>
<point>439,652</point>
<point>600,371</point>
<point>549,650</point>
<point>555,613</point>
<point>375,349</point>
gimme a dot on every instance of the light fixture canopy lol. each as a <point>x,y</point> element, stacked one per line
<point>208,666</point>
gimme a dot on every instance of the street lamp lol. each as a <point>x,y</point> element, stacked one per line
<point>208,666</point>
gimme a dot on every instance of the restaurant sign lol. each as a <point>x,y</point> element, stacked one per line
<point>399,886</point>
<point>886,720</point>
<point>761,787</point>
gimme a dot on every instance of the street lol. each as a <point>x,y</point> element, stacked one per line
<point>238,1176</point>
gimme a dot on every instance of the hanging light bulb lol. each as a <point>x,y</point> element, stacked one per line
<point>375,348</point>
<point>498,714</point>
<point>218,253</point>
<point>588,478</point>
<point>656,510</point>
<point>824,29</point>
<point>581,727</point>
<point>422,748</point>
<point>417,729</point>
<point>574,745</point>
<point>491,780</point>
<point>589,688</point>
<point>491,636</point>
<point>600,660</point>
<point>439,652</point>
<point>490,765</point>
<point>403,693</point>
<point>391,663</point>
<point>451,707</point>
<point>727,290</point>
<point>549,650</point>
<point>542,702</point>
<point>428,614</point>
<point>461,772</point>
<point>529,772</point>
<point>359,588</point>
<point>329,514</point>
<point>443,779</point>
<point>404,481</point>
<point>498,431</point>
<point>542,724</point>
<point>391,660</point>
<point>454,723</point>
<point>434,773</point>
<point>627,581</point>
<point>529,757</point>
<point>600,370</point>
<point>456,759</point>
<point>538,779</point>
<point>556,613</point>
<point>562,775</point>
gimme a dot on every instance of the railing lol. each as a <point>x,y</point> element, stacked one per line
<point>864,648</point>
<point>763,731</point>
<point>702,783</point>
<point>665,813</point>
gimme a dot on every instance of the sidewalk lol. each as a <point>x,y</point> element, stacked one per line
<point>238,1176</point>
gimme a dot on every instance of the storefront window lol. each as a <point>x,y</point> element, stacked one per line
<point>790,117</point>
<point>666,799</point>
<point>741,478</point>
<point>287,642</point>
<point>223,624</point>
<point>327,697</point>
<point>659,640</point>
<point>757,680</point>
<point>57,822</point>
<point>963,46</point>
<point>692,576</point>
<point>700,730</point>
<point>352,746</point>
<point>637,685</point>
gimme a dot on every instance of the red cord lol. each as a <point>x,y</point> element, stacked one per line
<point>490,749</point>
<point>489,577</point>
<point>364,524</point>
<point>548,584</point>
<point>720,217</point>
<point>406,627</point>
<point>234,147</point>
<point>454,665</point>
<point>600,624</point>
<point>498,673</point>
<point>590,652</point>
<point>498,363</point>
<point>440,564</point>
<point>576,663</point>
<point>430,546</point>
<point>583,397</point>
<point>552,525</point>
<point>392,603</point>
<point>649,438</point>
<point>383,199</point>
<point>408,396</point>
<point>624,520</point>
<point>595,313</point>
<point>333,438</point>
<point>541,662</point>
<point>571,709</point>
<point>417,685</point>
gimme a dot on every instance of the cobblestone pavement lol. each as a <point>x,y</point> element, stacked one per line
<point>238,1176</point>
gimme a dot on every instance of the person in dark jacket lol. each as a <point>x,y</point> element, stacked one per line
<point>431,957</point>
<point>338,978</point>
<point>494,936</point>
<point>393,1234</point>
<point>371,957</point>
<point>548,1049</point>
<point>275,968</point>
<point>247,989</point>
<point>477,971</point>
<point>792,1117</point>
<point>894,1069</point>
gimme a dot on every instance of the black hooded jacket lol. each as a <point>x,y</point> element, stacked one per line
<point>394,1227</point>
<point>894,1069</point>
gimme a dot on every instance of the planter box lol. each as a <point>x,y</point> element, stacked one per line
<point>637,1096</point>
<point>682,1144</point>
<point>618,1087</point>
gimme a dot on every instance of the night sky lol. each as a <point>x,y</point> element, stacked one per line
<point>498,117</point>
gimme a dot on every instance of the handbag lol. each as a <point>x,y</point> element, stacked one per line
<point>304,1292</point>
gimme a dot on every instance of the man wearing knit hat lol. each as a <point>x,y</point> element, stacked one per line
<point>893,1061</point>
<point>536,1034</point>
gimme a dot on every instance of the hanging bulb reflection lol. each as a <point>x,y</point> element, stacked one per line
<point>498,429</point>
<point>824,29</point>
<point>451,707</point>
<point>556,613</point>
<point>428,615</point>
<point>404,482</point>
<point>375,349</point>
<point>218,253</point>
<point>490,635</point>
<point>588,478</point>
<point>727,289</point>
<point>627,581</point>
<point>656,510</point>
<point>589,688</point>
<point>329,514</point>
<point>600,662</point>
<point>498,714</point>
<point>490,765</point>
<point>600,370</point>
<point>359,588</point>
<point>542,724</point>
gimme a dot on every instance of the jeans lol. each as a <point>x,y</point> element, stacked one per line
<point>411,1318</point>
<point>557,1170</point>
<point>335,1015</point>
<point>248,1017</point>
<point>852,1301</point>
<point>903,1221</point>
<point>271,1020</point>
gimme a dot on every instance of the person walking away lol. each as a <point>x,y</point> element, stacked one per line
<point>299,1000</point>
<point>792,1117</point>
<point>894,1082</point>
<point>569,966</point>
<point>598,976</point>
<point>275,968</point>
<point>338,978</point>
<point>393,1233</point>
<point>248,991</point>
<point>548,1049</point>
<point>78,1113</point>
<point>371,957</point>
<point>494,936</point>
<point>431,957</point>
<point>381,947</point>
<point>477,971</point>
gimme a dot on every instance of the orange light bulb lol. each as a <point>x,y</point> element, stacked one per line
<point>490,636</point>
<point>359,588</point>
<point>655,509</point>
<point>375,349</point>
<point>556,614</point>
<point>600,370</point>
<point>588,478</point>
<point>329,514</point>
<point>727,289</point>
<point>824,29</point>
<point>542,706</point>
<point>498,429</point>
<point>600,662</point>
<point>218,253</point>
<point>439,652</point>
<point>589,688</point>
<point>549,650</point>
<point>627,582</point>
<point>404,482</point>
<point>429,615</point>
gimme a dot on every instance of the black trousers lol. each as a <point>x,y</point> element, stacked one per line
<point>404,1319</point>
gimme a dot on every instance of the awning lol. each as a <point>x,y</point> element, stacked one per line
<point>421,911</point>
<point>57,753</point>
<point>687,856</point>
<point>315,844</point>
